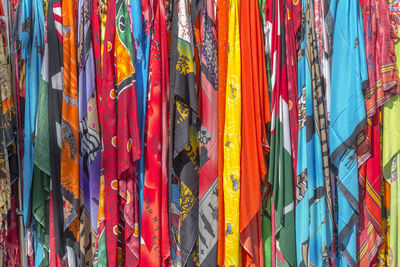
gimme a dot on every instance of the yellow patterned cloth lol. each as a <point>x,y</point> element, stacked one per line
<point>232,140</point>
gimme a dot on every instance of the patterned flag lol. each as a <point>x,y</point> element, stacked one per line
<point>89,136</point>
<point>347,119</point>
<point>208,136</point>
<point>255,116</point>
<point>155,246</point>
<point>313,185</point>
<point>280,165</point>
<point>184,152</point>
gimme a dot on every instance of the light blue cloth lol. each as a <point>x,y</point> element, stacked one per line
<point>31,50</point>
<point>39,251</point>
<point>142,40</point>
<point>314,230</point>
<point>349,75</point>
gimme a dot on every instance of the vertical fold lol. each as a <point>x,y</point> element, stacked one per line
<point>280,174</point>
<point>314,214</point>
<point>255,116</point>
<point>55,96</point>
<point>89,135</point>
<point>232,139</point>
<point>223,25</point>
<point>154,250</point>
<point>382,85</point>
<point>208,136</point>
<point>128,138</point>
<point>69,132</point>
<point>184,147</point>
<point>347,106</point>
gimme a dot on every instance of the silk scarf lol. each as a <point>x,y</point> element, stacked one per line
<point>390,171</point>
<point>382,85</point>
<point>390,155</point>
<point>155,244</point>
<point>70,132</point>
<point>347,85</point>
<point>255,116</point>
<point>34,65</point>
<point>8,173</point>
<point>128,138</point>
<point>108,228</point>
<point>55,96</point>
<point>184,152</point>
<point>31,38</point>
<point>141,23</point>
<point>232,139</point>
<point>41,171</point>
<point>100,253</point>
<point>313,186</point>
<point>266,187</point>
<point>89,135</point>
<point>292,25</point>
<point>280,162</point>
<point>208,137</point>
<point>223,25</point>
